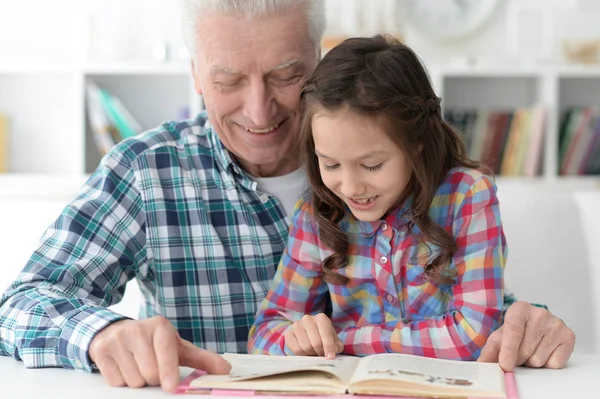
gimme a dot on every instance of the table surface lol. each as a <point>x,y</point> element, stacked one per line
<point>576,380</point>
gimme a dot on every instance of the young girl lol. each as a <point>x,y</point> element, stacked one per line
<point>400,235</point>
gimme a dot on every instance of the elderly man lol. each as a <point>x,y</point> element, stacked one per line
<point>196,211</point>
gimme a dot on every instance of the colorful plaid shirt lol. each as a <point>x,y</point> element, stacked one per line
<point>389,304</point>
<point>171,209</point>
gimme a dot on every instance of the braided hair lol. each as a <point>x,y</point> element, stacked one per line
<point>383,79</point>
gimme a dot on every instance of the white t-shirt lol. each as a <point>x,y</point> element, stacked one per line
<point>287,188</point>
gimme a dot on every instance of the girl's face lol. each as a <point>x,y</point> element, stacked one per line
<point>359,162</point>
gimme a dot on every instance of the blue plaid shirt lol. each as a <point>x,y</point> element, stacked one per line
<point>171,209</point>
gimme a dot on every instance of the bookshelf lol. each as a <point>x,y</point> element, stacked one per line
<point>43,77</point>
<point>50,132</point>
<point>168,94</point>
<point>556,88</point>
<point>44,97</point>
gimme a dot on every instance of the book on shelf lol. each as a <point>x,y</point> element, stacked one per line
<point>104,133</point>
<point>109,119</point>
<point>533,155</point>
<point>508,142</point>
<point>3,143</point>
<point>517,128</point>
<point>384,375</point>
<point>118,115</point>
<point>579,141</point>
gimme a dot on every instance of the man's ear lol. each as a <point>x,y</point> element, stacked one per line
<point>197,86</point>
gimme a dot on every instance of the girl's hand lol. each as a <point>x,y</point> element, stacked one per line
<point>313,335</point>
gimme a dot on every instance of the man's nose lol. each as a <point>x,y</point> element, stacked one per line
<point>259,105</point>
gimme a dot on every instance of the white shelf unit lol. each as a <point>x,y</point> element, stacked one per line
<point>44,70</point>
<point>151,95</point>
<point>554,87</point>
<point>53,49</point>
<point>50,134</point>
<point>44,131</point>
<point>48,127</point>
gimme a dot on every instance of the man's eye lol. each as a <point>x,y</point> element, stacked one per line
<point>288,79</point>
<point>225,84</point>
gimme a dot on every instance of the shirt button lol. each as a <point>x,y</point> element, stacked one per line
<point>384,227</point>
<point>383,260</point>
<point>390,298</point>
<point>264,198</point>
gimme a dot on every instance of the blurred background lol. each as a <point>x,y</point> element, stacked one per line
<point>519,78</point>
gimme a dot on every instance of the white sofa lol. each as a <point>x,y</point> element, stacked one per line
<point>549,258</point>
<point>552,238</point>
<point>28,205</point>
<point>589,206</point>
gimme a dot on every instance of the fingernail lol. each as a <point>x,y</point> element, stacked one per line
<point>227,367</point>
<point>330,355</point>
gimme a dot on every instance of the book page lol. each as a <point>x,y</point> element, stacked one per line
<point>308,382</point>
<point>468,376</point>
<point>246,366</point>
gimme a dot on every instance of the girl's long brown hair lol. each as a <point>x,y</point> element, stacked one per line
<point>383,79</point>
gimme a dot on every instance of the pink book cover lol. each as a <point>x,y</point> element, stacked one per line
<point>532,160</point>
<point>185,388</point>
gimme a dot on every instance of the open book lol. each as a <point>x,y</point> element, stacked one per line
<point>384,374</point>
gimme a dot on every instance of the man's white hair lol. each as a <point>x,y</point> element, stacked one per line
<point>193,10</point>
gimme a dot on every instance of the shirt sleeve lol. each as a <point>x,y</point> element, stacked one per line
<point>297,289</point>
<point>59,301</point>
<point>475,309</point>
<point>510,299</point>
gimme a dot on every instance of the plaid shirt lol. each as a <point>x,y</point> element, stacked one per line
<point>171,209</point>
<point>390,305</point>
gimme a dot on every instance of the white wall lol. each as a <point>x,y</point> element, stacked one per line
<point>492,44</point>
<point>129,30</point>
<point>133,33</point>
<point>52,32</point>
<point>34,30</point>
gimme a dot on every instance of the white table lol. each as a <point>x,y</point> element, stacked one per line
<point>578,380</point>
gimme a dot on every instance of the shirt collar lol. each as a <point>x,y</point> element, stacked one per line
<point>224,158</point>
<point>397,219</point>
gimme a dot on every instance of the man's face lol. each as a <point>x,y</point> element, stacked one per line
<point>251,72</point>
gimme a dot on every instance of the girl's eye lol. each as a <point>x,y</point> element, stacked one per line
<point>373,168</point>
<point>331,167</point>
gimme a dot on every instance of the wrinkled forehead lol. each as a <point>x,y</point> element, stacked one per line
<point>254,44</point>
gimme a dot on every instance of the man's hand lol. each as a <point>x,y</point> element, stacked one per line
<point>148,352</point>
<point>313,335</point>
<point>530,336</point>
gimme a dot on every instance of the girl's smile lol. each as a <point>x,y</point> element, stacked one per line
<point>362,204</point>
